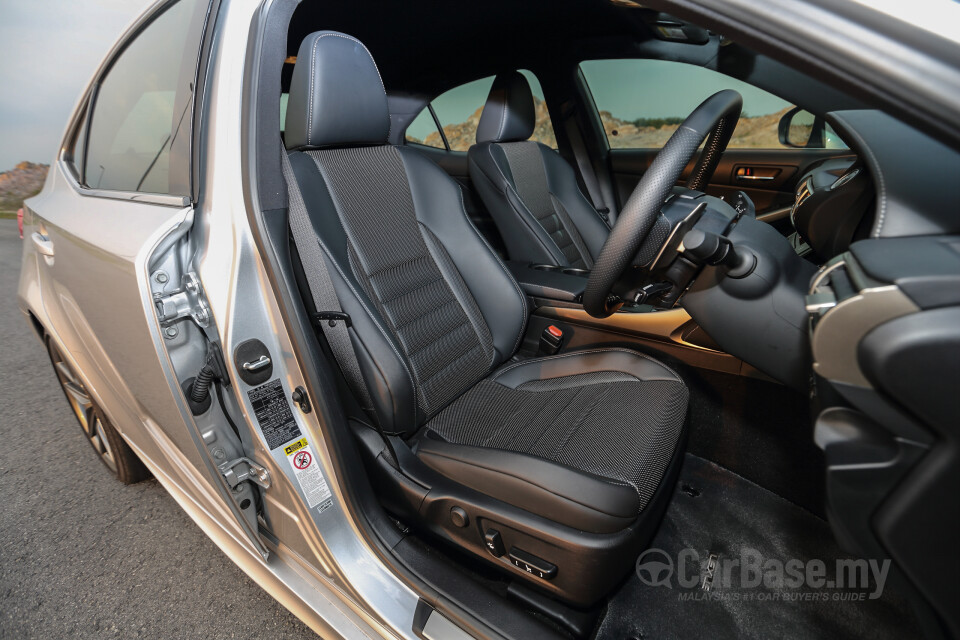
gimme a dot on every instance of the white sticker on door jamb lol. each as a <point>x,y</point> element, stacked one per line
<point>307,470</point>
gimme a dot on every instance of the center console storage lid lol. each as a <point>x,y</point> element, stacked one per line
<point>549,281</point>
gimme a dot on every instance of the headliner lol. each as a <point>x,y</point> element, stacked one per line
<point>426,47</point>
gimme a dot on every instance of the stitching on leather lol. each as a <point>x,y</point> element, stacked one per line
<point>881,217</point>
<point>579,353</point>
<point>520,387</point>
<point>523,298</point>
<point>313,58</point>
<point>576,395</point>
<point>583,418</point>
<point>526,481</point>
<point>313,74</point>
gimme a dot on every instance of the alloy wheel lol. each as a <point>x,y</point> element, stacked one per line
<point>86,412</point>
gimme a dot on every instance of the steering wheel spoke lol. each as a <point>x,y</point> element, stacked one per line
<point>717,117</point>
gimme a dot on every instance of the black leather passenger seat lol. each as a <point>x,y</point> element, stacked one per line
<point>568,459</point>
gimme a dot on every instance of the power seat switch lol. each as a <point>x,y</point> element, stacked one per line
<point>532,564</point>
<point>550,341</point>
<point>494,542</point>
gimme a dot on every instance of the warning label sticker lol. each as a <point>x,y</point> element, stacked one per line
<point>273,412</point>
<point>308,473</point>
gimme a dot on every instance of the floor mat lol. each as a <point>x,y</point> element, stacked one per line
<point>749,535</point>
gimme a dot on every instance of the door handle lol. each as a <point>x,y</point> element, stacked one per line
<point>43,243</point>
<point>760,173</point>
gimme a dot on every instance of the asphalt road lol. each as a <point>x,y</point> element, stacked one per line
<point>81,555</point>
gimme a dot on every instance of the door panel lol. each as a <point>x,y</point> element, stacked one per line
<point>93,299</point>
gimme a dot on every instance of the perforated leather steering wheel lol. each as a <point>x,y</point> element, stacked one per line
<point>716,116</point>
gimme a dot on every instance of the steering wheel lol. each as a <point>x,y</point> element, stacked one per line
<point>716,116</point>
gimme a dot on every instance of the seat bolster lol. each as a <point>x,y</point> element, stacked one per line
<point>562,183</point>
<point>577,363</point>
<point>525,238</point>
<point>439,207</point>
<point>554,491</point>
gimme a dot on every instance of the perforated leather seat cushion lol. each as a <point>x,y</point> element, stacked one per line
<point>618,422</point>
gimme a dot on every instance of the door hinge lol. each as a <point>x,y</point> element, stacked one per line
<point>188,301</point>
<point>243,469</point>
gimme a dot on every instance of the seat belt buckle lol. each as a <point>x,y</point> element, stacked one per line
<point>550,341</point>
<point>331,317</point>
<point>604,213</point>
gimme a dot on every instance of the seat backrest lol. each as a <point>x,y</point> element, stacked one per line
<point>432,308</point>
<point>529,190</point>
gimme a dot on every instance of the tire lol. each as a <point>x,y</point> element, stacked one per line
<point>113,451</point>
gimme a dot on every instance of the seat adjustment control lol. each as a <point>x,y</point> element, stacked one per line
<point>459,517</point>
<point>494,542</point>
<point>532,564</point>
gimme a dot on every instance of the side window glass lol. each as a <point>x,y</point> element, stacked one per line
<point>642,102</point>
<point>284,98</point>
<point>423,130</point>
<point>459,110</point>
<point>140,127</point>
<point>543,129</point>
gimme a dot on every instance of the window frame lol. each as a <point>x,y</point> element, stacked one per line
<point>436,123</point>
<point>82,115</point>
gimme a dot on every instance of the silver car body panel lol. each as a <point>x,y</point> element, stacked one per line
<point>315,563</point>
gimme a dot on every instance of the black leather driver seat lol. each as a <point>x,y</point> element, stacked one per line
<point>569,458</point>
<point>529,190</point>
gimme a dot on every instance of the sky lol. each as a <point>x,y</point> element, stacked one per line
<point>51,50</point>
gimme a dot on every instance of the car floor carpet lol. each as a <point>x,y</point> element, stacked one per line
<point>715,511</point>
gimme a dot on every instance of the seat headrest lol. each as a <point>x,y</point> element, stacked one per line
<point>509,114</point>
<point>336,95</point>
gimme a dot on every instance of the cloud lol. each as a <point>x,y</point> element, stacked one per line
<point>52,48</point>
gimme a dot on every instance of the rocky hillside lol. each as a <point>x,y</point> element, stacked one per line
<point>21,182</point>
<point>758,132</point>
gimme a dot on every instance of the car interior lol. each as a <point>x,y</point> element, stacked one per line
<point>582,330</point>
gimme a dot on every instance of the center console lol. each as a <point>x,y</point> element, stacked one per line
<point>555,293</point>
